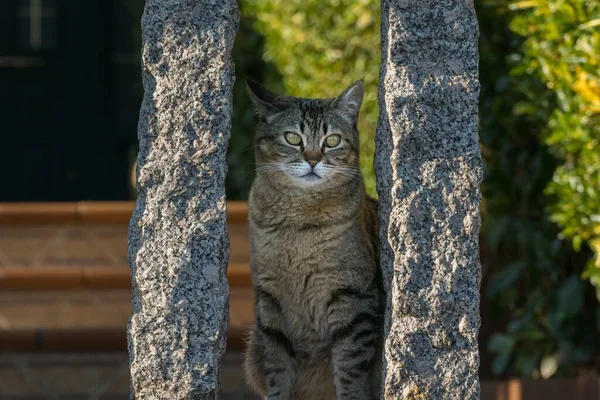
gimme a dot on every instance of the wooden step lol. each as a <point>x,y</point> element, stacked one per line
<point>88,212</point>
<point>74,246</point>
<point>65,283</point>
<point>94,277</point>
<point>42,376</point>
<point>89,320</point>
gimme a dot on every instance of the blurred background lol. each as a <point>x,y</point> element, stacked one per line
<point>70,92</point>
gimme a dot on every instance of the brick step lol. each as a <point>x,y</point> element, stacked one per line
<point>91,321</point>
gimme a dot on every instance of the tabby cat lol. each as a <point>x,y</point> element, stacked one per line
<point>314,253</point>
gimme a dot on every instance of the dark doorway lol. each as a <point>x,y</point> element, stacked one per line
<point>61,136</point>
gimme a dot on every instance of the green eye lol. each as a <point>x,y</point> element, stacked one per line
<point>293,138</point>
<point>332,140</point>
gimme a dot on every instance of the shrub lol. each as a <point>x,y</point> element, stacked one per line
<point>539,155</point>
<point>554,315</point>
<point>562,49</point>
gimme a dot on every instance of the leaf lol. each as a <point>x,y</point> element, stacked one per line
<point>590,24</point>
<point>522,5</point>
<point>536,299</point>
<point>500,363</point>
<point>501,343</point>
<point>526,364</point>
<point>570,296</point>
<point>505,277</point>
<point>549,366</point>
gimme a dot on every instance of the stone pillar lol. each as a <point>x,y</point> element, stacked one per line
<point>178,244</point>
<point>428,168</point>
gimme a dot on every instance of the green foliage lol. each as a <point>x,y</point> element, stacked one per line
<point>562,49</point>
<point>539,139</point>
<point>554,315</point>
<point>321,47</point>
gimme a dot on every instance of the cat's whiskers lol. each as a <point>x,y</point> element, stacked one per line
<point>349,172</point>
<point>268,168</point>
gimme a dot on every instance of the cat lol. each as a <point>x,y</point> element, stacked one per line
<point>314,253</point>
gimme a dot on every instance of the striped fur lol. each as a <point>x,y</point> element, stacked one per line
<point>314,252</point>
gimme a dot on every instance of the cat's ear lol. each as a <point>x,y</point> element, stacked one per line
<point>348,103</point>
<point>265,102</point>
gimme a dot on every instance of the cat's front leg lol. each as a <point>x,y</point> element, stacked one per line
<point>355,322</point>
<point>279,365</point>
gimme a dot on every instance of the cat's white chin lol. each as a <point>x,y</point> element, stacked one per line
<point>311,177</point>
<point>302,175</point>
<point>310,180</point>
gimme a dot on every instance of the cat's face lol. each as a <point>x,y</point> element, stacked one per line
<point>308,143</point>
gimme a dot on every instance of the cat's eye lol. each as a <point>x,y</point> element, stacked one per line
<point>332,140</point>
<point>293,138</point>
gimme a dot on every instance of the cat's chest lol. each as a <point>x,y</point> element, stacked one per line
<point>281,249</point>
<point>303,296</point>
<point>294,251</point>
<point>301,270</point>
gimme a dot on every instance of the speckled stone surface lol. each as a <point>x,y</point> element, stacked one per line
<point>178,245</point>
<point>428,170</point>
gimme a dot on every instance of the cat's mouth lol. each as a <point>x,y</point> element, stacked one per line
<point>311,177</point>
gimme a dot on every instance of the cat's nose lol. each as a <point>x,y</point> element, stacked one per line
<point>312,157</point>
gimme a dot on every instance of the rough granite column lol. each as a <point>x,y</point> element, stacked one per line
<point>428,168</point>
<point>178,244</point>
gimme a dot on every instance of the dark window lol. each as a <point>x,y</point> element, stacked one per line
<point>36,24</point>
